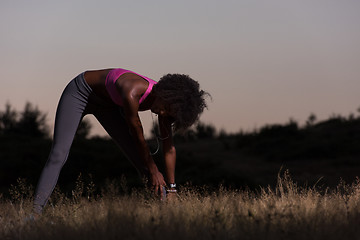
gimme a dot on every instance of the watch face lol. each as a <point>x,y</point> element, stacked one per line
<point>173,185</point>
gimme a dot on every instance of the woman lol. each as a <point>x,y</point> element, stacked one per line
<point>114,97</point>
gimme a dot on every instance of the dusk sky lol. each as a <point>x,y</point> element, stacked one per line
<point>263,62</point>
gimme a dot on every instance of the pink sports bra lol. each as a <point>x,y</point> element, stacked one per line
<point>110,81</point>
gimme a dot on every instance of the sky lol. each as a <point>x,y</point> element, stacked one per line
<point>262,61</point>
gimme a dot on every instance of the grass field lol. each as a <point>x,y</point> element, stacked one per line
<point>286,212</point>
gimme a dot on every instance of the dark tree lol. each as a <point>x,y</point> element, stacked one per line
<point>30,122</point>
<point>311,120</point>
<point>205,131</point>
<point>8,120</point>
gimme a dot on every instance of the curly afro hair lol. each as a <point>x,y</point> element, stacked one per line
<point>185,100</point>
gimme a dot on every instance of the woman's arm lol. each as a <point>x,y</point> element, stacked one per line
<point>131,106</point>
<point>169,150</point>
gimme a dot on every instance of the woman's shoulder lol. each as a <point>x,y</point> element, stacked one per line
<point>132,84</point>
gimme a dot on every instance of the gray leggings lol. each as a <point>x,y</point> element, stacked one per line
<point>76,101</point>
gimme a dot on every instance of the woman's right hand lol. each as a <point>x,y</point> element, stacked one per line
<point>157,182</point>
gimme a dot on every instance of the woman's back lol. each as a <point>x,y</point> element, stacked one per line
<point>96,80</point>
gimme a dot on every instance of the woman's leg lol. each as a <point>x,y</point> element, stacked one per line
<point>69,113</point>
<point>115,125</point>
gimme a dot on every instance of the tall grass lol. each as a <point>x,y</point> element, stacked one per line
<point>286,212</point>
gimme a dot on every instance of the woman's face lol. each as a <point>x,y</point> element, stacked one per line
<point>160,107</point>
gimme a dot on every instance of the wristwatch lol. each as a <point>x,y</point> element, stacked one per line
<point>172,185</point>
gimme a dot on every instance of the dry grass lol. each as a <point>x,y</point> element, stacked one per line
<point>287,212</point>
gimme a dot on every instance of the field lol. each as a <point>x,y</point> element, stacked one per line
<point>302,207</point>
<point>288,211</point>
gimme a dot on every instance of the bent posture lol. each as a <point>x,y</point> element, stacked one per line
<point>114,97</point>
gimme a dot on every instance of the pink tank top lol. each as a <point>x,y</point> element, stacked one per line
<point>110,81</point>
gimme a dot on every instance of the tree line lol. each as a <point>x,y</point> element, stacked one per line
<point>204,154</point>
<point>25,142</point>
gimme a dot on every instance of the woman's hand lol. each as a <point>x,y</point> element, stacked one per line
<point>157,182</point>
